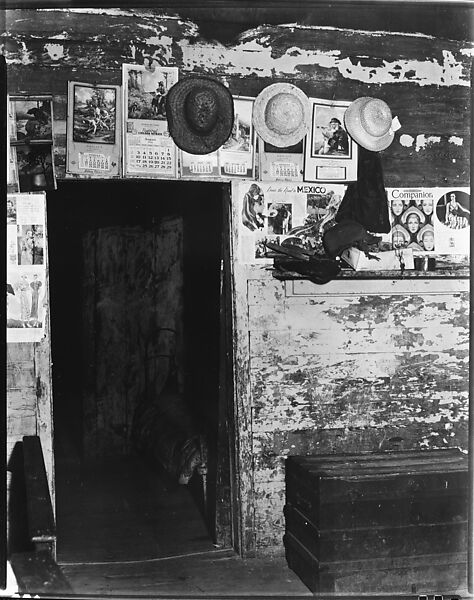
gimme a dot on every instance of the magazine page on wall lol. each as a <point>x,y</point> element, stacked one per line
<point>330,153</point>
<point>277,211</point>
<point>26,267</point>
<point>430,220</point>
<point>149,150</point>
<point>94,124</point>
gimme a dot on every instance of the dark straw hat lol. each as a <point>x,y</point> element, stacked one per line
<point>200,113</point>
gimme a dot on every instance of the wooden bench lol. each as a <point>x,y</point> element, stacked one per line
<point>38,573</point>
<point>41,523</point>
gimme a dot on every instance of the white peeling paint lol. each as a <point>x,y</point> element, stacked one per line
<point>55,51</point>
<point>406,140</point>
<point>236,61</point>
<point>457,141</point>
<point>377,33</point>
<point>422,141</point>
<point>59,36</point>
<point>25,54</point>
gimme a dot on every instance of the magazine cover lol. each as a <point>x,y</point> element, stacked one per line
<point>330,153</point>
<point>93,130</point>
<point>430,220</point>
<point>149,150</point>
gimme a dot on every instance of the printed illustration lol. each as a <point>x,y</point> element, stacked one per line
<point>30,244</point>
<point>32,118</point>
<point>329,136</point>
<point>25,299</point>
<point>35,167</point>
<point>147,91</point>
<point>453,210</point>
<point>94,114</point>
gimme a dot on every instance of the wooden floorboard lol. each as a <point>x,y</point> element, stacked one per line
<point>207,574</point>
<point>124,528</point>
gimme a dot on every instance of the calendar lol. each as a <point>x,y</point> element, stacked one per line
<point>148,148</point>
<point>94,130</point>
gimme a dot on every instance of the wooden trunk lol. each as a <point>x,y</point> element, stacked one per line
<point>355,522</point>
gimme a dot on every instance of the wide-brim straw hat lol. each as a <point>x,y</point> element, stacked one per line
<point>369,123</point>
<point>200,113</point>
<point>281,114</point>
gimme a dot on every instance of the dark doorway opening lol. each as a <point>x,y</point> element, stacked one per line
<point>135,292</point>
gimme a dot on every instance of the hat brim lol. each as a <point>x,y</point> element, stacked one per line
<point>179,129</point>
<point>258,115</point>
<point>354,128</point>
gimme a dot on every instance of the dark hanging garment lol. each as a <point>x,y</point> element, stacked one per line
<point>365,200</point>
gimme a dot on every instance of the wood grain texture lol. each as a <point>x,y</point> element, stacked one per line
<point>425,80</point>
<point>124,336</point>
<point>330,372</point>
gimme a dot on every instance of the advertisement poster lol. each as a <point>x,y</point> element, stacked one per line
<point>330,153</point>
<point>430,220</point>
<point>26,267</point>
<point>149,150</point>
<point>280,164</point>
<point>274,211</point>
<point>93,129</point>
<point>236,156</point>
<point>31,139</point>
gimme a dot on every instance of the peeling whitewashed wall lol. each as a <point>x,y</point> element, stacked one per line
<point>355,368</point>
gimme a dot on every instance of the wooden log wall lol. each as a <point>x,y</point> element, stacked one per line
<point>293,378</point>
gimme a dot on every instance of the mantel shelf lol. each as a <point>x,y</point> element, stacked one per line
<point>452,273</point>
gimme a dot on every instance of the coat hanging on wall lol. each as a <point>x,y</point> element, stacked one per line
<point>365,200</point>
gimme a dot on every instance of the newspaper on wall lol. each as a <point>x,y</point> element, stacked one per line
<point>26,267</point>
<point>30,131</point>
<point>330,153</point>
<point>275,211</point>
<point>94,125</point>
<point>149,151</point>
<point>430,220</point>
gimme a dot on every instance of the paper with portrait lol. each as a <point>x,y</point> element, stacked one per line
<point>422,219</point>
<point>94,125</point>
<point>26,267</point>
<point>275,211</point>
<point>330,153</point>
<point>149,151</point>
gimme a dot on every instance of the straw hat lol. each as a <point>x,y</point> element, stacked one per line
<point>200,113</point>
<point>281,114</point>
<point>369,122</point>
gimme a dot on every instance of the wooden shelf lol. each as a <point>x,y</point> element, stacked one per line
<point>446,268</point>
